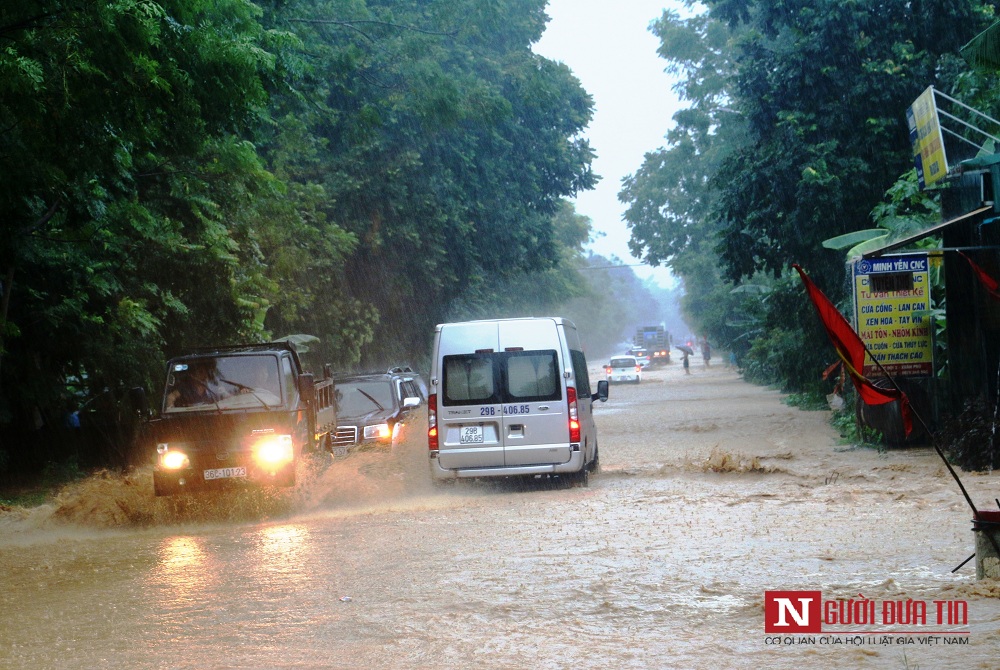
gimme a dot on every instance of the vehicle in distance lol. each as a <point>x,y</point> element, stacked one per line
<point>238,414</point>
<point>372,408</point>
<point>511,397</point>
<point>624,369</point>
<point>656,340</point>
<point>641,355</point>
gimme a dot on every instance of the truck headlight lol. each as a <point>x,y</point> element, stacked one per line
<point>378,431</point>
<point>171,459</point>
<point>274,450</point>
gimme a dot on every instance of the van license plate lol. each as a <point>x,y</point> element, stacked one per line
<point>225,473</point>
<point>471,435</point>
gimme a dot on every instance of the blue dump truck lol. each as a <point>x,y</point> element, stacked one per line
<point>656,341</point>
<point>239,415</point>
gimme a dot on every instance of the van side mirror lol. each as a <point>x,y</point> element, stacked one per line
<point>307,387</point>
<point>602,391</point>
<point>409,403</point>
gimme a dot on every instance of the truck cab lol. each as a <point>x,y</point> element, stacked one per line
<point>241,414</point>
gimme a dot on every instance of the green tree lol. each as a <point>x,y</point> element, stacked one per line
<point>183,172</point>
<point>796,129</point>
<point>127,194</point>
<point>824,88</point>
<point>443,146</point>
<point>670,198</point>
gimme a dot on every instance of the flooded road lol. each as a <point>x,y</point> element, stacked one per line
<point>712,492</point>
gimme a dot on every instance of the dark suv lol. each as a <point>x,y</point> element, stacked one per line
<point>371,407</point>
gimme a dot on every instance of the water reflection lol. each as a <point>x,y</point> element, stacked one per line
<point>281,553</point>
<point>184,569</point>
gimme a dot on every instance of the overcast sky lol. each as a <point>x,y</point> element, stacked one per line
<point>611,51</point>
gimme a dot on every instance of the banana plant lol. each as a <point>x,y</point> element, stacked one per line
<point>858,242</point>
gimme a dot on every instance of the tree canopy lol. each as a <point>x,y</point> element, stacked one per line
<point>795,131</point>
<point>182,173</point>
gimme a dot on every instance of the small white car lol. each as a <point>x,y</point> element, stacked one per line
<point>624,369</point>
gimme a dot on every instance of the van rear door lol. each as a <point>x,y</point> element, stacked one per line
<point>469,408</point>
<point>535,427</point>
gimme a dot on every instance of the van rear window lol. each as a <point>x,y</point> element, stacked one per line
<point>511,376</point>
<point>469,380</point>
<point>532,376</point>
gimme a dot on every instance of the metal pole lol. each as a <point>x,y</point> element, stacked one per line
<point>964,562</point>
<point>927,428</point>
<point>971,109</point>
<point>975,512</point>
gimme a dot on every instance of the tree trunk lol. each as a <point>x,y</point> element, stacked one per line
<point>8,285</point>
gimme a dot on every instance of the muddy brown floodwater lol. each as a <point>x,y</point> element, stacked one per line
<point>712,492</point>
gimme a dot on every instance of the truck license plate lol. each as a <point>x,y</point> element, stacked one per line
<point>225,473</point>
<point>471,435</point>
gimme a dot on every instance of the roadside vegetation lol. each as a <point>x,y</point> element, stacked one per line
<point>793,147</point>
<point>795,133</point>
<point>25,490</point>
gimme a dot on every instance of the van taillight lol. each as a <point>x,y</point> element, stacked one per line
<point>574,415</point>
<point>638,367</point>
<point>432,421</point>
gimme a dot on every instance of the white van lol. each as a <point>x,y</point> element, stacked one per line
<point>511,397</point>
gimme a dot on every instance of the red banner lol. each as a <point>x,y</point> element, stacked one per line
<point>987,281</point>
<point>852,351</point>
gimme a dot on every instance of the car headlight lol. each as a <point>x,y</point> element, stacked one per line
<point>274,450</point>
<point>378,431</point>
